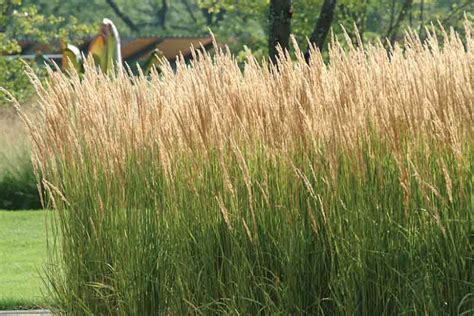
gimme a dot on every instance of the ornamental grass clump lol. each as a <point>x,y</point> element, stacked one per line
<point>326,188</point>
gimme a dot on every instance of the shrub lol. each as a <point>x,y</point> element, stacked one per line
<point>18,189</point>
<point>340,188</point>
<point>14,79</point>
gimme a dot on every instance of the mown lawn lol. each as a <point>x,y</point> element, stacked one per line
<point>22,255</point>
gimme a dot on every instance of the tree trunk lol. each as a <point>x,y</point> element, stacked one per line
<point>162,13</point>
<point>422,9</point>
<point>213,18</point>
<point>321,30</point>
<point>280,27</point>
<point>392,31</point>
<point>207,16</point>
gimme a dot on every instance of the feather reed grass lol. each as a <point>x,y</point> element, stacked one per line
<point>325,188</point>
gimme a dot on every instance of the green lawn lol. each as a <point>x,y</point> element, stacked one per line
<point>22,255</point>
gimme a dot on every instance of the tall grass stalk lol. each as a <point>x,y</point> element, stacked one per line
<point>339,188</point>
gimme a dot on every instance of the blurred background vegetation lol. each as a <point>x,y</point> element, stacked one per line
<point>240,24</point>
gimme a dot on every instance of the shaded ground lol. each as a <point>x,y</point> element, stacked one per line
<point>22,254</point>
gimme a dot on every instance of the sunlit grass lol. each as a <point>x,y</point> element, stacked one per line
<point>341,188</point>
<point>22,258</point>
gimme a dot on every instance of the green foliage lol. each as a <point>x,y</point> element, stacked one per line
<point>14,79</point>
<point>351,248</point>
<point>19,21</point>
<point>246,22</point>
<point>144,13</point>
<point>18,190</point>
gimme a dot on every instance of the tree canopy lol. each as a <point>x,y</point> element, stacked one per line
<point>245,22</point>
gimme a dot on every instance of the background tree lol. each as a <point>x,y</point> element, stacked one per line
<point>279,16</point>
<point>245,22</point>
<point>19,21</point>
<point>321,30</point>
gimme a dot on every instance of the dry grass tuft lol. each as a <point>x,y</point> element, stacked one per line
<point>420,93</point>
